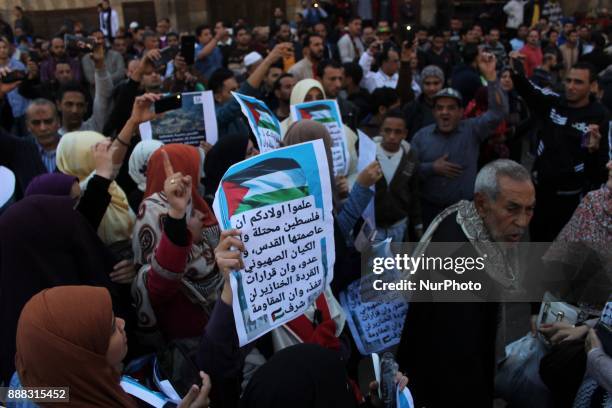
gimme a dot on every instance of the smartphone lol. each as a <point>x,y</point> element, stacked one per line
<point>188,49</point>
<point>13,76</point>
<point>167,55</point>
<point>79,43</point>
<point>407,34</point>
<point>170,102</point>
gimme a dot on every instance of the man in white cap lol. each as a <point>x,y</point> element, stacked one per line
<point>251,62</point>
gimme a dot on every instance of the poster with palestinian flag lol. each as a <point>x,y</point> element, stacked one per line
<point>327,113</point>
<point>263,122</point>
<point>281,203</point>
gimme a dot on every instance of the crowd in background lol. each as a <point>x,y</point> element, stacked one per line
<point>95,205</point>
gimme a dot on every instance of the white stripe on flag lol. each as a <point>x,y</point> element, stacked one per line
<point>278,180</point>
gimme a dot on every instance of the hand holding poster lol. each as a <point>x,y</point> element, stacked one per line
<point>282,206</point>
<point>194,122</point>
<point>367,154</point>
<point>327,113</point>
<point>263,122</point>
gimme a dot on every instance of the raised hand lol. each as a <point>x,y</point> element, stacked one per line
<point>97,54</point>
<point>228,255</point>
<point>279,51</point>
<point>370,175</point>
<point>103,157</point>
<point>141,110</point>
<point>177,189</point>
<point>487,65</point>
<point>594,137</point>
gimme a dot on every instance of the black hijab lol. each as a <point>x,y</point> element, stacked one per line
<point>44,242</point>
<point>300,376</point>
<point>228,150</point>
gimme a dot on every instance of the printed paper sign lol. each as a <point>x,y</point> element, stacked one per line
<point>263,122</point>
<point>283,208</point>
<point>327,113</point>
<point>194,122</point>
<point>375,324</point>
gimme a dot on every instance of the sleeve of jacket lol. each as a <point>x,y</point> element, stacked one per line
<point>95,200</point>
<point>104,89</point>
<point>167,268</point>
<point>538,99</point>
<point>117,68</point>
<point>89,69</point>
<point>122,110</point>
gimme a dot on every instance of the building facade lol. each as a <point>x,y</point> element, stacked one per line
<point>49,15</point>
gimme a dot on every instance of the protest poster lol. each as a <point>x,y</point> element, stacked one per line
<point>263,122</point>
<point>194,122</point>
<point>367,154</point>
<point>327,113</point>
<point>281,202</point>
<point>376,321</point>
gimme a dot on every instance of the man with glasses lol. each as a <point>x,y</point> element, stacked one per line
<point>448,149</point>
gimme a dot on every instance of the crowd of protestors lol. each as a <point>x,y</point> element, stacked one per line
<point>492,128</point>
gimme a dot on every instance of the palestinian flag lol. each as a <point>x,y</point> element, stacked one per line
<point>269,182</point>
<point>320,113</point>
<point>263,116</point>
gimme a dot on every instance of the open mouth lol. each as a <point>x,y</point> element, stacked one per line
<point>514,237</point>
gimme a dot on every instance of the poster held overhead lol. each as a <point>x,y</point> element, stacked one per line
<point>263,122</point>
<point>281,203</point>
<point>191,123</point>
<point>327,113</point>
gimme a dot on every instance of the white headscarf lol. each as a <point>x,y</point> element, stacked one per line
<point>139,159</point>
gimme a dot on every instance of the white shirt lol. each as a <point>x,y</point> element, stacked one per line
<point>372,80</point>
<point>388,162</point>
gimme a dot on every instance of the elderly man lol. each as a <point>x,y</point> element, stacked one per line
<point>448,150</point>
<point>451,346</point>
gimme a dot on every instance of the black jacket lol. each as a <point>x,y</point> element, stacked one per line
<point>22,158</point>
<point>561,163</point>
<point>400,198</point>
<point>418,115</point>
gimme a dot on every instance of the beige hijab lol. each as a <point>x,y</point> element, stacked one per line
<point>74,157</point>
<point>298,94</point>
